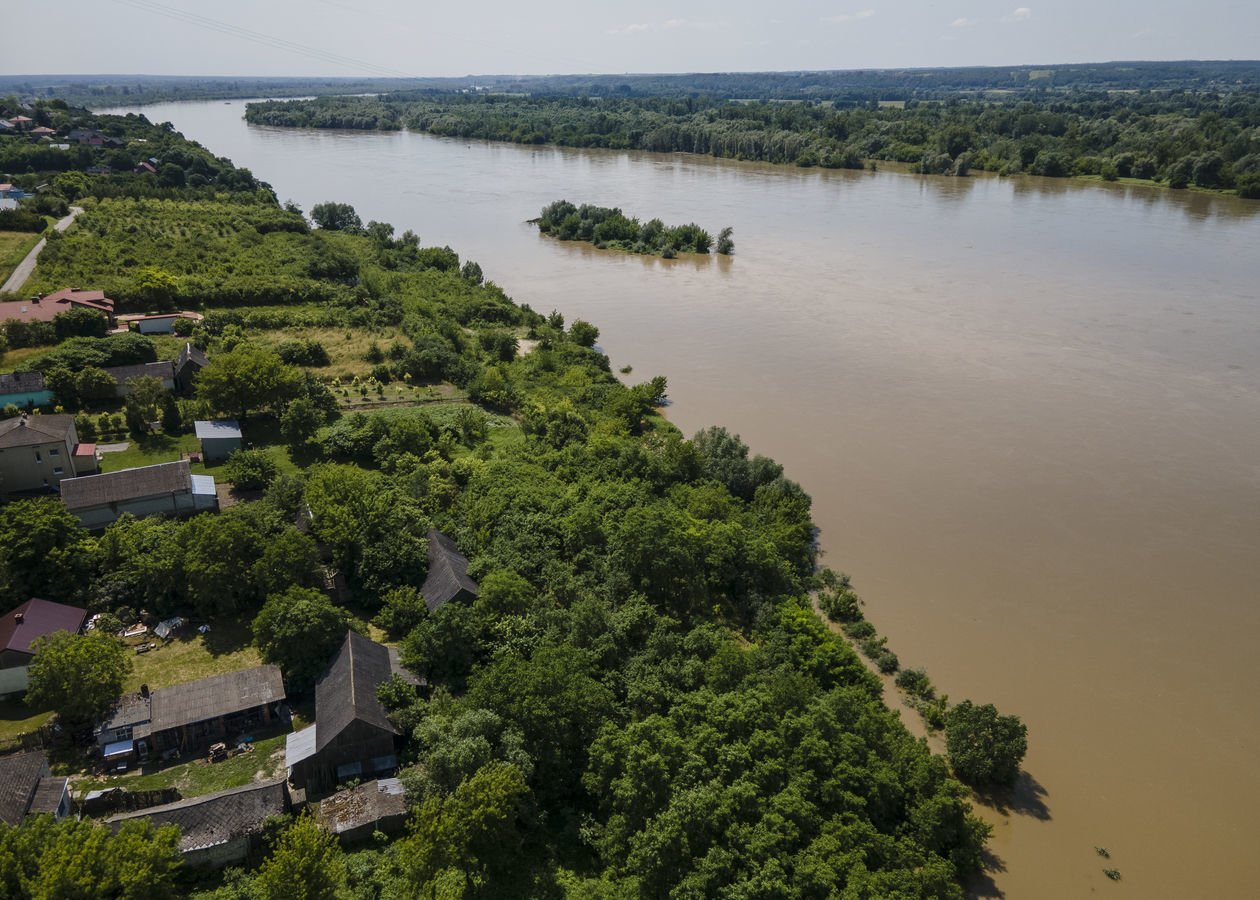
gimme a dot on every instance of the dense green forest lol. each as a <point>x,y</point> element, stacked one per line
<point>610,228</point>
<point>640,703</point>
<point>1209,140</point>
<point>843,86</point>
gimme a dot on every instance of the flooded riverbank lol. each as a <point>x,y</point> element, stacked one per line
<point>1028,412</point>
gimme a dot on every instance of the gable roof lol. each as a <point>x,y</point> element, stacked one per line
<point>82,297</point>
<point>127,484</point>
<point>347,691</point>
<point>19,777</point>
<point>448,572</point>
<point>218,695</point>
<point>21,382</point>
<point>38,618</point>
<point>217,818</point>
<point>190,354</point>
<point>44,308</point>
<point>27,430</point>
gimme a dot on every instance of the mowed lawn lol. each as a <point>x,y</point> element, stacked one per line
<point>226,647</point>
<point>18,718</point>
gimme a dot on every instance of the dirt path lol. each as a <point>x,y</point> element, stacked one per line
<point>893,696</point>
<point>27,265</point>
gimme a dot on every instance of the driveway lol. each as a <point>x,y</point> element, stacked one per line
<point>27,265</point>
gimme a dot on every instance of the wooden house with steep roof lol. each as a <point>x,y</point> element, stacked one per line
<point>447,581</point>
<point>352,736</point>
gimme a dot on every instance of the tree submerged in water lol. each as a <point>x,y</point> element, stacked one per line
<point>610,229</point>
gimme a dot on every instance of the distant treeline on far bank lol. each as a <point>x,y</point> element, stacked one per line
<point>1177,138</point>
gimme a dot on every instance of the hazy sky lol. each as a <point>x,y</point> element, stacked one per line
<point>412,37</point>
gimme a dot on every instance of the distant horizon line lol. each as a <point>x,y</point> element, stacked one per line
<point>810,70</point>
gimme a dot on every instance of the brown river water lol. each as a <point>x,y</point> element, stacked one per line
<point>1028,412</point>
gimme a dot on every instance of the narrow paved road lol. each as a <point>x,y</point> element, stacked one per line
<point>27,265</point>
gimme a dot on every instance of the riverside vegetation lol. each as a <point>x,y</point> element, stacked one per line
<point>640,703</point>
<point>1209,139</point>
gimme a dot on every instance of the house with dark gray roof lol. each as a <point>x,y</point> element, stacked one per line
<point>27,788</point>
<point>447,581</point>
<point>352,736</point>
<point>38,452</point>
<point>168,489</point>
<point>21,627</point>
<point>220,828</point>
<point>186,718</point>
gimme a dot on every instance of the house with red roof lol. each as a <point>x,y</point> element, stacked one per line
<point>43,307</point>
<point>21,627</point>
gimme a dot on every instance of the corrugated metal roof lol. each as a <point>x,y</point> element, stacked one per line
<point>299,745</point>
<point>217,428</point>
<point>203,485</point>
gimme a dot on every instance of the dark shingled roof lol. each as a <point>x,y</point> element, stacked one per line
<point>39,617</point>
<point>19,777</point>
<point>448,572</point>
<point>218,695</point>
<point>127,484</point>
<point>348,689</point>
<point>21,382</point>
<point>131,709</point>
<point>216,818</point>
<point>26,430</point>
<point>48,795</point>
<point>188,353</point>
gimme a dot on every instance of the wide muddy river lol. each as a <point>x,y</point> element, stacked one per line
<point>1028,412</point>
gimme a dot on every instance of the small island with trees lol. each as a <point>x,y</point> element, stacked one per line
<point>610,229</point>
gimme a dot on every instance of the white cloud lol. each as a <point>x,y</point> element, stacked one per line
<point>1018,15</point>
<point>960,23</point>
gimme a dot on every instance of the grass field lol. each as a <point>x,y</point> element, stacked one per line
<point>346,348</point>
<point>225,648</point>
<point>18,718</point>
<point>14,245</point>
<point>197,777</point>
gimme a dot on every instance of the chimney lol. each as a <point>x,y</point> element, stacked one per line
<point>18,617</point>
<point>144,690</point>
<point>22,421</point>
<point>37,298</point>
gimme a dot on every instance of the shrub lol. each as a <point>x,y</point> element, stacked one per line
<point>250,470</point>
<point>915,681</point>
<point>842,605</point>
<point>859,630</point>
<point>887,662</point>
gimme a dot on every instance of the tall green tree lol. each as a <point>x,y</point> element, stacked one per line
<point>299,630</point>
<point>985,747</point>
<point>44,551</point>
<point>42,859</point>
<point>78,675</point>
<point>245,379</point>
<point>306,861</point>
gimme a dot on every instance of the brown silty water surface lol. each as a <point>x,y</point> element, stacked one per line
<point>1028,412</point>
